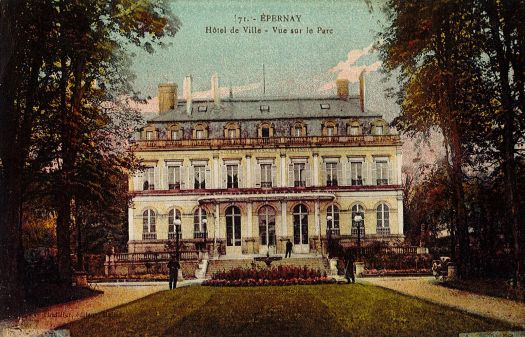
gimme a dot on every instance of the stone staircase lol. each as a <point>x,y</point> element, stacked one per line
<point>228,264</point>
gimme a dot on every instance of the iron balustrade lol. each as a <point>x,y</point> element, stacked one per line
<point>173,236</point>
<point>276,141</point>
<point>154,256</point>
<point>333,232</point>
<point>200,235</point>
<point>383,230</point>
<point>149,236</point>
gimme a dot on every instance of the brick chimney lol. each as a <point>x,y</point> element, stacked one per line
<point>342,88</point>
<point>186,88</point>
<point>215,91</point>
<point>167,93</point>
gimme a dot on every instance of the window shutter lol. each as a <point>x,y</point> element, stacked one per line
<point>156,178</point>
<point>207,177</point>
<point>240,176</point>
<point>390,177</point>
<point>191,177</point>
<point>224,176</point>
<point>290,176</point>
<point>307,178</point>
<point>184,177</point>
<point>138,179</point>
<point>340,181</point>
<point>274,175</point>
<point>367,174</point>
<point>374,174</point>
<point>323,175</point>
<point>258,175</point>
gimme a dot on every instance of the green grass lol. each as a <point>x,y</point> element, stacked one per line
<point>321,310</point>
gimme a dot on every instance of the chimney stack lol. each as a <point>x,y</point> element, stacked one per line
<point>215,93</point>
<point>342,88</point>
<point>186,88</point>
<point>362,91</point>
<point>167,93</point>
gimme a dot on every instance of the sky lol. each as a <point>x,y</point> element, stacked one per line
<point>330,40</point>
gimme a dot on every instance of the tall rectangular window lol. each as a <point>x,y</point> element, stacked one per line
<point>232,174</point>
<point>176,134</point>
<point>382,172</point>
<point>149,135</point>
<point>174,177</point>
<point>356,173</point>
<point>149,179</point>
<point>266,175</point>
<point>331,174</point>
<point>199,174</point>
<point>299,174</point>
<point>199,134</point>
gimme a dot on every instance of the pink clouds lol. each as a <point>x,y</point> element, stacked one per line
<point>348,70</point>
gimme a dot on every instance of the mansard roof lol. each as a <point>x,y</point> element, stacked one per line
<point>267,108</point>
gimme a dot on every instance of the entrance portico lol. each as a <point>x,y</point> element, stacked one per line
<point>257,223</point>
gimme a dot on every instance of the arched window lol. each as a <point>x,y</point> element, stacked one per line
<point>199,223</point>
<point>176,132</point>
<point>265,130</point>
<point>232,130</point>
<point>149,132</point>
<point>383,220</point>
<point>267,225</point>
<point>200,131</point>
<point>358,209</point>
<point>353,128</point>
<point>332,219</point>
<point>379,127</point>
<point>298,130</point>
<point>172,230</point>
<point>329,128</point>
<point>149,230</point>
<point>300,225</point>
<point>233,226</point>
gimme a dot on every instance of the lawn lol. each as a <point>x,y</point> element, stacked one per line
<point>317,310</point>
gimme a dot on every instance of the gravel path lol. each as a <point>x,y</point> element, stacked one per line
<point>114,295</point>
<point>428,289</point>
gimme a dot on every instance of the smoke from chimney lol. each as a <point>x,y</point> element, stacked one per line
<point>215,92</point>
<point>186,91</point>
<point>362,90</point>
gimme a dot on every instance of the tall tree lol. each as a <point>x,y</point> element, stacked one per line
<point>430,52</point>
<point>69,56</point>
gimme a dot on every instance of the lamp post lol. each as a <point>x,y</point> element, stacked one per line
<point>177,224</point>
<point>358,218</point>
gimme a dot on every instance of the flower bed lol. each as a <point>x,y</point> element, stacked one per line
<point>397,272</point>
<point>279,276</point>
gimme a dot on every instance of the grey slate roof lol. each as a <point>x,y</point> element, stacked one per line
<point>280,108</point>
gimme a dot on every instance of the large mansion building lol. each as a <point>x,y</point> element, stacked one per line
<point>242,176</point>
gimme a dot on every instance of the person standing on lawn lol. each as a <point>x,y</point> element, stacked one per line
<point>289,247</point>
<point>173,269</point>
<point>349,270</point>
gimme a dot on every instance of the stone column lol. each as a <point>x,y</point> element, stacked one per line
<point>248,171</point>
<point>216,171</point>
<point>399,159</point>
<point>283,171</point>
<point>216,228</point>
<point>284,226</point>
<point>400,224</point>
<point>249,229</point>
<point>317,219</point>
<point>131,225</point>
<point>315,178</point>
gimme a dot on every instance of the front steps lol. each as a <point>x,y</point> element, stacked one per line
<point>312,262</point>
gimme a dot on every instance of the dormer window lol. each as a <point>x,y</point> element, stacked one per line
<point>298,130</point>
<point>202,108</point>
<point>200,131</point>
<point>265,108</point>
<point>265,130</point>
<point>325,106</point>
<point>353,128</point>
<point>379,127</point>
<point>149,135</point>
<point>232,130</point>
<point>329,128</point>
<point>175,132</point>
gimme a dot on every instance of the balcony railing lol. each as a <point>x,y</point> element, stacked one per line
<point>200,235</point>
<point>356,232</point>
<point>173,236</point>
<point>383,230</point>
<point>175,186</point>
<point>273,141</point>
<point>266,184</point>
<point>149,236</point>
<point>333,232</point>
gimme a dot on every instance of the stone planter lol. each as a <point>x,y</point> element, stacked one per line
<point>451,272</point>
<point>359,268</point>
<point>80,279</point>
